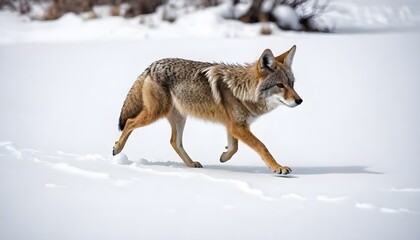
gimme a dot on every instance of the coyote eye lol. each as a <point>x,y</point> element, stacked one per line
<point>280,85</point>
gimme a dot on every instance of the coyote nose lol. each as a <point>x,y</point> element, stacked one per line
<point>298,101</point>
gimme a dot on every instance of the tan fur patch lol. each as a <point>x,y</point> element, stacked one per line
<point>241,80</point>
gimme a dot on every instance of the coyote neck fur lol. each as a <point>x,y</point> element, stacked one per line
<point>240,79</point>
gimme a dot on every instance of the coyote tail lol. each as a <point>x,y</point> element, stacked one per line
<point>133,103</point>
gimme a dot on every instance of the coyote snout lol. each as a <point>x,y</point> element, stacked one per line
<point>291,98</point>
<point>233,95</point>
<point>286,97</point>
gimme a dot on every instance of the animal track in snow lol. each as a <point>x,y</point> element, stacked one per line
<point>293,196</point>
<point>324,198</point>
<point>79,171</point>
<point>94,156</point>
<point>8,146</point>
<point>365,206</point>
<point>412,190</point>
<point>391,210</point>
<point>369,206</point>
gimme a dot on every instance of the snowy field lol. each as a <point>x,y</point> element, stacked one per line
<point>353,144</point>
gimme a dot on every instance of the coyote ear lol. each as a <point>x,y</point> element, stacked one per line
<point>266,60</point>
<point>287,57</point>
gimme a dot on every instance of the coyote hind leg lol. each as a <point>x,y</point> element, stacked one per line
<point>232,148</point>
<point>156,104</point>
<point>177,122</point>
<point>140,120</point>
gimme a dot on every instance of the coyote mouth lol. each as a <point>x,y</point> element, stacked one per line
<point>290,105</point>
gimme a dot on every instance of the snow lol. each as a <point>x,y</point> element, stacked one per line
<point>365,206</point>
<point>352,144</point>
<point>405,189</point>
<point>373,15</point>
<point>122,159</point>
<point>287,17</point>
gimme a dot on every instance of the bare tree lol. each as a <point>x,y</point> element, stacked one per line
<point>307,11</point>
<point>138,7</point>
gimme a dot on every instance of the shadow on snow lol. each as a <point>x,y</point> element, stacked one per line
<point>264,170</point>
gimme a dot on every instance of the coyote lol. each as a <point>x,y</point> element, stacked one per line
<point>233,95</point>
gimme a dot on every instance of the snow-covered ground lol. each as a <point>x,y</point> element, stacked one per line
<point>353,144</point>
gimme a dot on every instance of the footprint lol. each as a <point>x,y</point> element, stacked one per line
<point>293,196</point>
<point>413,190</point>
<point>324,198</point>
<point>369,206</point>
<point>365,206</point>
<point>79,171</point>
<point>392,210</point>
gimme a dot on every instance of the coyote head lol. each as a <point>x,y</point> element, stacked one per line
<point>276,79</point>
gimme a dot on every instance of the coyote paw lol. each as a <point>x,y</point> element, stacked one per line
<point>116,149</point>
<point>225,157</point>
<point>282,170</point>
<point>195,165</point>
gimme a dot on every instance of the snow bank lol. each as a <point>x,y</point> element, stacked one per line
<point>287,17</point>
<point>204,23</point>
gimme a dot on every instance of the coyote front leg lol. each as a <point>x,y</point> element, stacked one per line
<point>243,133</point>
<point>177,122</point>
<point>232,148</point>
